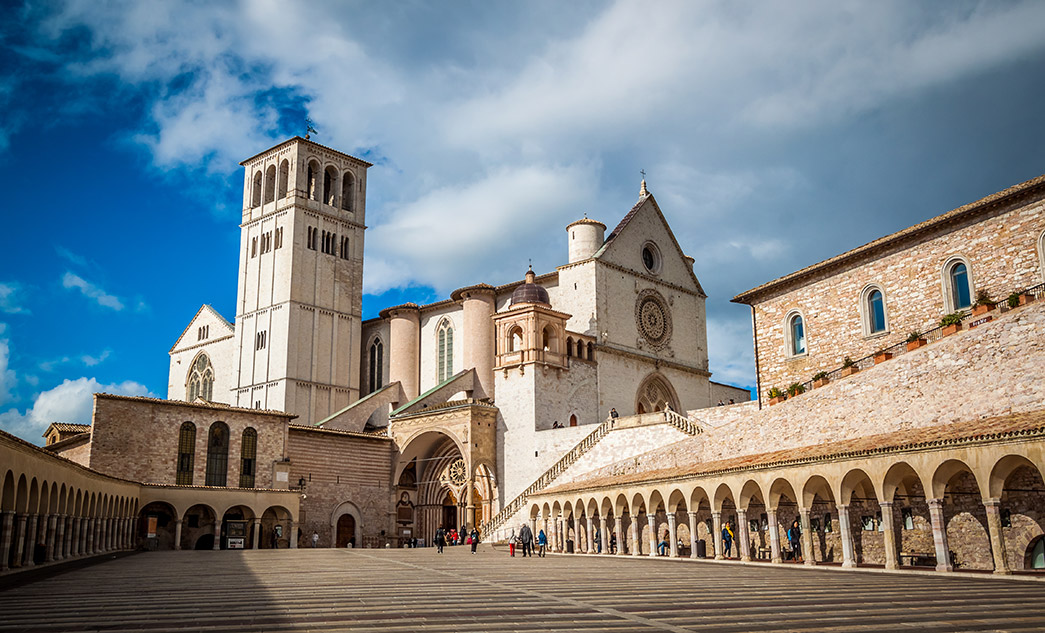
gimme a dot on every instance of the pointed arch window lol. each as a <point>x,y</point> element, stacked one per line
<point>377,356</point>
<point>347,191</point>
<point>270,183</point>
<point>284,177</point>
<point>186,453</point>
<point>201,379</point>
<point>248,457</point>
<point>218,454</point>
<point>255,199</point>
<point>446,350</point>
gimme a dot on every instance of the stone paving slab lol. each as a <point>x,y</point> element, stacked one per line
<point>419,590</point>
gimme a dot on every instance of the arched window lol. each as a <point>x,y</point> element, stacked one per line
<point>872,309</point>
<point>270,183</point>
<point>515,339</point>
<point>329,190</point>
<point>569,346</point>
<point>347,183</point>
<point>796,335</point>
<point>377,359</point>
<point>312,184</point>
<point>591,351</point>
<point>1041,256</point>
<point>217,454</point>
<point>284,177</point>
<point>957,285</point>
<point>255,199</point>
<point>248,457</point>
<point>186,453</point>
<point>446,350</point>
<point>580,349</point>
<point>201,379</point>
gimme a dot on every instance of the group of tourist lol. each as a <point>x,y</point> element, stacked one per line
<point>452,537</point>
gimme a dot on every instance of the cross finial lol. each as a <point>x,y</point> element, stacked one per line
<point>309,128</point>
<point>643,192</point>
<point>643,172</point>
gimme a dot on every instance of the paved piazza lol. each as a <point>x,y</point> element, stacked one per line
<point>418,590</point>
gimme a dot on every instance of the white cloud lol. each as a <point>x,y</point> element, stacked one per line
<point>11,300</point>
<point>70,281</point>
<point>71,401</point>
<point>731,354</point>
<point>7,375</point>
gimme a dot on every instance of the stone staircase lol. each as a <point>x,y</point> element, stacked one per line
<point>681,422</point>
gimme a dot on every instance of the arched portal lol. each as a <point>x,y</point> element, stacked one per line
<point>346,531</point>
<point>654,394</point>
<point>436,479</point>
<point>346,524</point>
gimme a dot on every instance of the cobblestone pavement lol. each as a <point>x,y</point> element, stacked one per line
<point>419,590</point>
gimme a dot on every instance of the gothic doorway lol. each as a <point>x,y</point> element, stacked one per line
<point>449,511</point>
<point>655,394</point>
<point>346,531</point>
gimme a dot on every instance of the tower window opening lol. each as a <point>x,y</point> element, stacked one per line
<point>270,183</point>
<point>255,200</point>
<point>284,177</point>
<point>346,191</point>
<point>329,193</point>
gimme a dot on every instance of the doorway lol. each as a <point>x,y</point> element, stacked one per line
<point>346,531</point>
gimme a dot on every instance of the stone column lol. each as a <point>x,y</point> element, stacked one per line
<point>177,533</point>
<point>59,537</point>
<point>404,345</point>
<point>294,535</point>
<point>654,538</point>
<point>589,546</point>
<point>553,534</point>
<point>672,535</point>
<point>92,536</point>
<point>469,518</point>
<point>636,537</point>
<point>256,538</point>
<point>1001,563</point>
<point>74,536</point>
<point>692,534</point>
<point>217,536</point>
<point>19,541</point>
<point>889,535</point>
<point>943,554</point>
<point>478,341</point>
<point>547,532</point>
<point>845,529</point>
<point>774,537</point>
<point>51,537</point>
<point>716,521</point>
<point>807,537</point>
<point>620,535</point>
<point>30,541</point>
<point>744,535</point>
<point>604,536</point>
<point>533,528</point>
<point>103,536</point>
<point>7,525</point>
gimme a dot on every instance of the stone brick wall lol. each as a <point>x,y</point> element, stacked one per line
<point>344,472</point>
<point>1001,249</point>
<point>137,439</point>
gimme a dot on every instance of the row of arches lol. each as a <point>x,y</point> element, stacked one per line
<point>970,510</point>
<point>161,525</point>
<point>578,349</point>
<point>326,185</point>
<point>46,521</point>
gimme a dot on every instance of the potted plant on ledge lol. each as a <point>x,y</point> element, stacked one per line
<point>915,340</point>
<point>1020,298</point>
<point>952,323</point>
<point>775,396</point>
<point>796,389</point>
<point>983,303</point>
<point>820,379</point>
<point>881,356</point>
<point>849,367</point>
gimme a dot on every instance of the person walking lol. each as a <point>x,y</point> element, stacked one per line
<point>794,538</point>
<point>440,540</point>
<point>727,539</point>
<point>613,543</point>
<point>526,540</point>
<point>613,417</point>
<point>663,545</point>
<point>474,538</point>
<point>512,540</point>
<point>542,542</point>
<point>598,542</point>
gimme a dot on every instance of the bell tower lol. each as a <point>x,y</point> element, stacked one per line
<point>300,286</point>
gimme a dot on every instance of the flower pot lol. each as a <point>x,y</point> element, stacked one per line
<point>977,310</point>
<point>881,357</point>
<point>952,329</point>
<point>820,383</point>
<point>777,400</point>
<point>913,345</point>
<point>1026,298</point>
<point>849,371</point>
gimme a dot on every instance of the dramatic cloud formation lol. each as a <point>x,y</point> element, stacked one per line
<point>71,401</point>
<point>71,281</point>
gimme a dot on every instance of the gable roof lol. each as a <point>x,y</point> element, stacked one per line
<point>627,219</point>
<point>222,320</point>
<point>899,239</point>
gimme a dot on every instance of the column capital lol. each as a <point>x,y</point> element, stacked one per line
<point>716,514</point>
<point>741,511</point>
<point>992,502</point>
<point>671,518</point>
<point>691,513</point>
<point>842,506</point>
<point>885,504</point>
<point>935,503</point>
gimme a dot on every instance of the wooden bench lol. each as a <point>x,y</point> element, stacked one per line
<point>918,559</point>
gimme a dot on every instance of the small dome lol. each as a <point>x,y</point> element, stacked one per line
<point>530,292</point>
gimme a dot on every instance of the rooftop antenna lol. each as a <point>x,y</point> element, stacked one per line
<point>309,129</point>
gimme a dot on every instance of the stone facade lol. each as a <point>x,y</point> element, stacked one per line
<point>997,238</point>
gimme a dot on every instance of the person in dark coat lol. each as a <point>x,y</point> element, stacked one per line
<point>526,538</point>
<point>474,537</point>
<point>440,540</point>
<point>794,539</point>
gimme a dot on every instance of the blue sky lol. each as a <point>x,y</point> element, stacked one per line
<point>773,135</point>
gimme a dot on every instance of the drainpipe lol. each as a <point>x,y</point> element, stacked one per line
<point>758,375</point>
